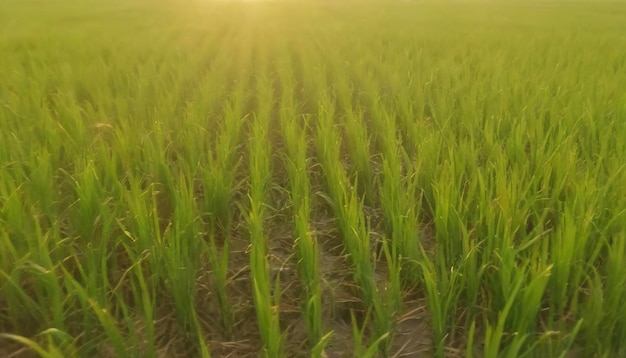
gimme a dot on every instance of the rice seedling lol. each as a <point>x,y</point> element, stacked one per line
<point>265,292</point>
<point>296,144</point>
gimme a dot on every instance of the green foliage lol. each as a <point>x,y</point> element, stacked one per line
<point>469,156</point>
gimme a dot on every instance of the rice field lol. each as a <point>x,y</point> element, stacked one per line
<point>312,179</point>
